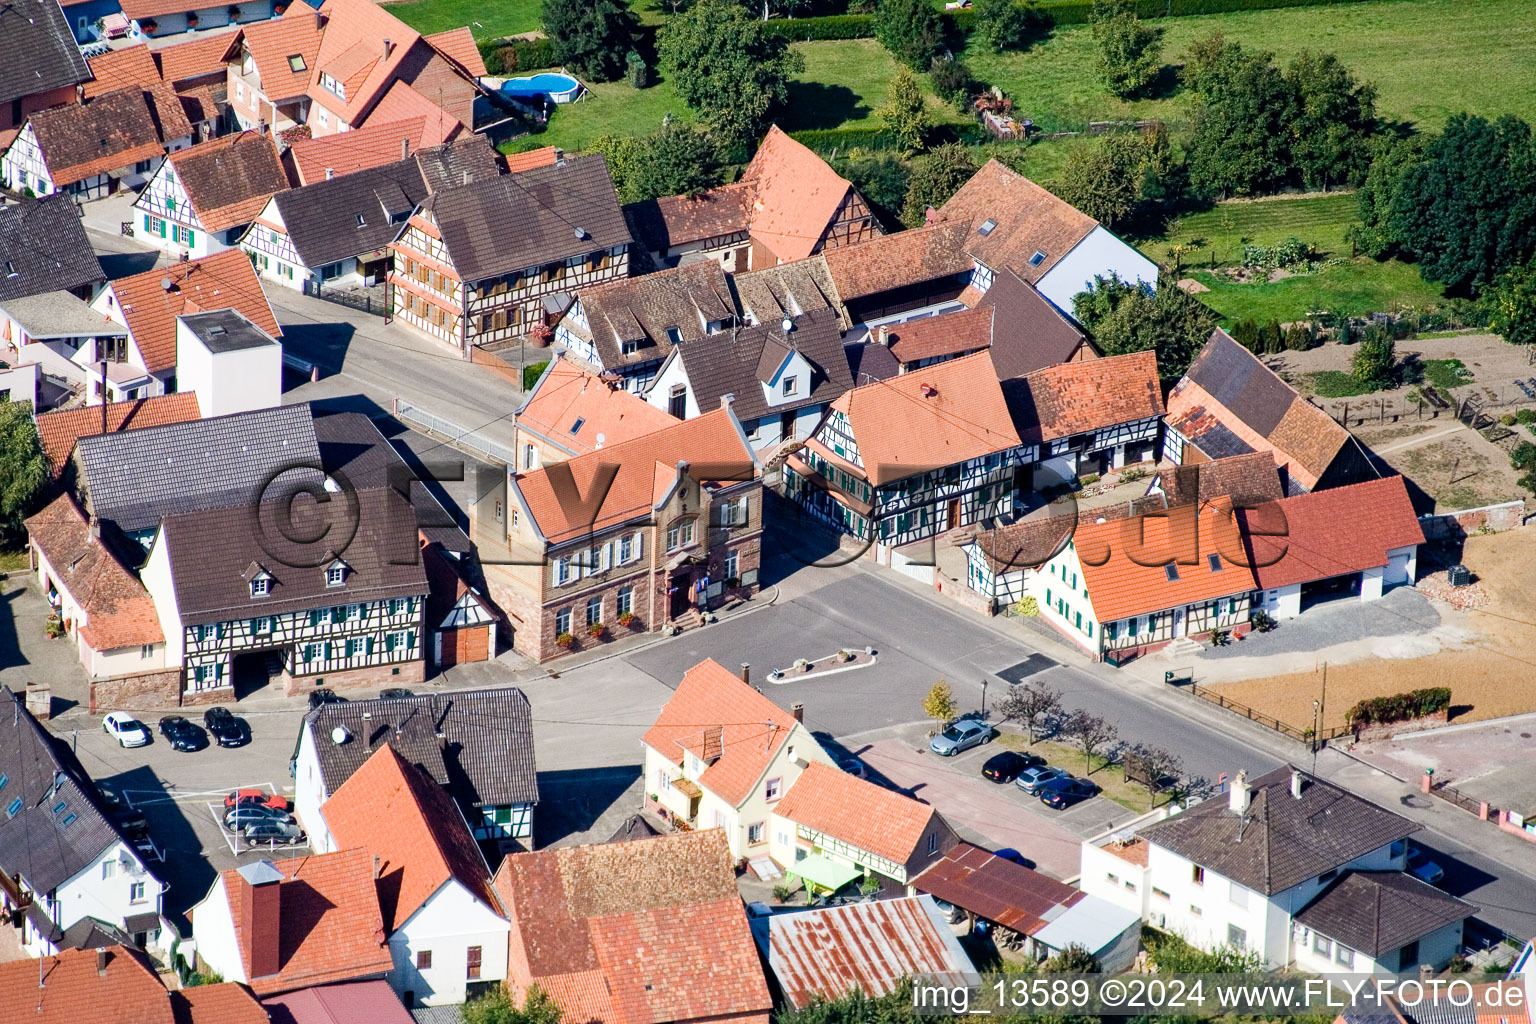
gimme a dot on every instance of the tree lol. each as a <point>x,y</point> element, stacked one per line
<point>1391,157</point>
<point>1335,117</point>
<point>1298,337</point>
<point>1246,333</point>
<point>23,466</point>
<point>953,81</point>
<point>729,67</point>
<point>855,1007</point>
<point>1104,178</point>
<point>881,179</point>
<point>1375,360</point>
<point>1155,765</point>
<point>1467,211</point>
<point>1238,140</point>
<point>1092,734</point>
<point>591,37</point>
<point>910,30</point>
<point>679,159</point>
<point>939,705</point>
<point>1513,304</point>
<point>1130,53</point>
<point>1271,341</point>
<point>1006,24</point>
<point>1123,317</point>
<point>619,153</point>
<point>904,116</point>
<point>1030,704</point>
<point>1523,457</point>
<point>936,177</point>
<point>497,1007</point>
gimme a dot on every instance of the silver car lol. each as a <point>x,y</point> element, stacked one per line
<point>1032,779</point>
<point>961,735</point>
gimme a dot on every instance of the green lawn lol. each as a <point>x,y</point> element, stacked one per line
<point>496,18</point>
<point>1360,286</point>
<point>1109,775</point>
<point>13,561</point>
<point>1222,231</point>
<point>1427,59</point>
<point>608,108</point>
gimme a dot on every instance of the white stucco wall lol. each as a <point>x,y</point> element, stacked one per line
<point>1284,602</point>
<point>309,793</point>
<point>213,926</point>
<point>228,382</point>
<point>156,577</point>
<point>448,924</point>
<point>660,389</point>
<point>1100,254</point>
<point>94,893</point>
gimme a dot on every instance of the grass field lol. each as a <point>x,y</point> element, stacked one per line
<point>1360,286</point>
<point>608,108</point>
<point>1222,231</point>
<point>1427,59</point>
<point>495,19</point>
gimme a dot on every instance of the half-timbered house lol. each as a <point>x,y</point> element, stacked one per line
<point>894,278</point>
<point>483,263</point>
<point>334,232</point>
<point>670,527</point>
<point>88,150</point>
<point>202,199</point>
<point>902,460</point>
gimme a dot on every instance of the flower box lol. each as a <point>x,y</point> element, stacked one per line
<point>565,639</point>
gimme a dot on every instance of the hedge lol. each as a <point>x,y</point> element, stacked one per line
<point>833,26</point>
<point>1400,707</point>
<point>508,56</point>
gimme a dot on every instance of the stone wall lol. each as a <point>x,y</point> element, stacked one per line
<point>352,680</point>
<point>1489,519</point>
<point>146,691</point>
<point>1386,730</point>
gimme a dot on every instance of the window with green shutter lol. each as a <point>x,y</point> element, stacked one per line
<point>327,650</point>
<point>368,645</point>
<point>148,224</point>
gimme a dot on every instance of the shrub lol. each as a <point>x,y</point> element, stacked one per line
<point>953,81</point>
<point>565,639</point>
<point>1298,337</point>
<point>1526,416</point>
<point>1246,334</point>
<point>507,56</point>
<point>532,372</point>
<point>1400,707</point>
<point>1508,420</point>
<point>835,26</point>
<point>1028,607</point>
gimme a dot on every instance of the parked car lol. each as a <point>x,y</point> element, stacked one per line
<point>961,735</point>
<point>1005,767</point>
<point>183,734</point>
<point>243,817</point>
<point>324,695</point>
<point>227,729</point>
<point>130,819</point>
<point>243,797</point>
<point>853,766</point>
<point>127,730</point>
<point>1422,868</point>
<point>395,693</point>
<point>273,833</point>
<point>1010,854</point>
<point>1031,779</point>
<point>1063,793</point>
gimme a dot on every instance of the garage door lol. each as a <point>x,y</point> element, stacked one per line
<point>1397,570</point>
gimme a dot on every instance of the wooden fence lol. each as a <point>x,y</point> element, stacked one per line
<point>1210,696</point>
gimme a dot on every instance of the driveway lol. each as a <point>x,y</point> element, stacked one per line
<point>26,653</point>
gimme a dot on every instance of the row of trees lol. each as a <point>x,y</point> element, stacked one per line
<point>23,469</point>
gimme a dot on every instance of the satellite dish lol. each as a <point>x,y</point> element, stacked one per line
<point>788,325</point>
<point>339,735</point>
<point>167,284</point>
<point>601,440</point>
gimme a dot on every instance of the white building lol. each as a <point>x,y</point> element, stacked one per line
<point>202,199</point>
<point>1275,867</point>
<point>228,362</point>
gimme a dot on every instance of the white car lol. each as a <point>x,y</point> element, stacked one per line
<point>127,730</point>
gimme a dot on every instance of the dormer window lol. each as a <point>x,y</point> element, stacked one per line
<point>675,335</point>
<point>261,585</point>
<point>359,220</point>
<point>336,574</point>
<point>1037,259</point>
<point>629,348</point>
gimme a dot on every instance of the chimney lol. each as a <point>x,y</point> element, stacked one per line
<point>1296,783</point>
<point>714,742</point>
<point>378,865</point>
<point>727,400</point>
<point>319,22</point>
<point>928,390</point>
<point>1237,797</point>
<point>405,148</point>
<point>330,172</point>
<point>260,911</point>
<point>559,158</point>
<point>387,47</point>
<point>95,528</point>
<point>798,710</point>
<point>101,963</point>
<point>746,673</point>
<point>80,93</point>
<point>884,336</point>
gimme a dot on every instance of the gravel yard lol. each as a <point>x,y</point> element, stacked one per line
<point>1402,611</point>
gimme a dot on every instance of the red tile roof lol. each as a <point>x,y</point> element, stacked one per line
<point>72,992</point>
<point>713,446</point>
<point>639,932</point>
<point>1248,480</point>
<point>396,812</point>
<point>892,261</point>
<point>753,729</point>
<point>951,334</point>
<point>934,417</point>
<point>572,408</point>
<point>1329,533</point>
<point>1074,398</point>
<point>198,57</point>
<point>272,44</point>
<point>677,220</point>
<point>860,813</point>
<point>1026,220</point>
<point>458,45</point>
<point>58,431</point>
<point>1124,561</point>
<point>796,194</point>
<point>223,1003</point>
<point>330,927</point>
<point>352,1002</point>
<point>352,52</point>
<point>224,280</point>
<point>119,611</point>
<point>113,131</point>
<point>377,143</point>
<point>229,180</point>
<point>402,101</point>
<point>542,157</point>
<point>118,69</point>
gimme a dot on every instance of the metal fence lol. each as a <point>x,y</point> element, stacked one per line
<point>456,435</point>
<point>1210,696</point>
<point>367,302</point>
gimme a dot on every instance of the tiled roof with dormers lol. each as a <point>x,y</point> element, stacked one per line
<point>1011,222</point>
<point>112,132</point>
<point>571,407</point>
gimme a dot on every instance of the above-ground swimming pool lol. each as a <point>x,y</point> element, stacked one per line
<point>559,88</point>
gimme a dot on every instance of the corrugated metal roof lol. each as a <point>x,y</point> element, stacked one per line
<point>871,946</point>
<point>998,890</point>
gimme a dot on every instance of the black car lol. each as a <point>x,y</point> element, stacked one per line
<point>1005,767</point>
<point>182,734</point>
<point>395,693</point>
<point>273,833</point>
<point>130,819</point>
<point>226,729</point>
<point>247,815</point>
<point>324,695</point>
<point>1063,793</point>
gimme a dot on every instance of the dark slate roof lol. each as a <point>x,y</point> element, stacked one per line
<point>226,330</point>
<point>523,220</point>
<point>350,215</point>
<point>135,477</point>
<point>869,362</point>
<point>35,843</point>
<point>485,757</point>
<point>1282,840</point>
<point>1230,374</point>
<point>358,456</point>
<point>739,363</point>
<point>1028,332</point>
<point>634,827</point>
<point>1376,912</point>
<point>215,552</point>
<point>43,247</point>
<point>38,52</point>
<point>447,165</point>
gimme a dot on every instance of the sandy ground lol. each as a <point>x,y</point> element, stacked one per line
<point>1490,761</point>
<point>1486,655</point>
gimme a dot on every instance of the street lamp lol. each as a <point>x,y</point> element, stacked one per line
<point>983,696</point>
<point>1317,710</point>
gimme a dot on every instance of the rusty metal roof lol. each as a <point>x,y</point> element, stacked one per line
<point>998,890</point>
<point>871,946</point>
